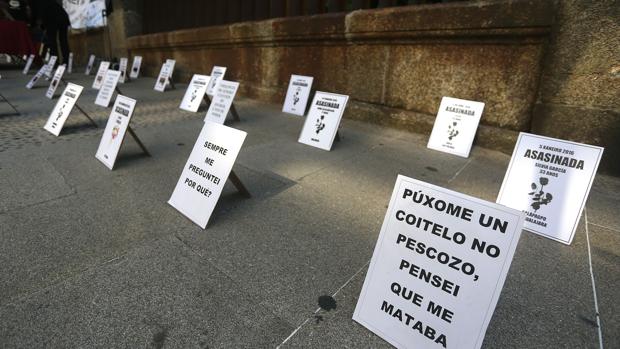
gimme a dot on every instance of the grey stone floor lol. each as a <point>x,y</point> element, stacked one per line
<point>97,258</point>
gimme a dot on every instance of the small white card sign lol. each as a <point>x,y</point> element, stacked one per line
<point>297,94</point>
<point>70,63</point>
<point>438,268</point>
<point>107,89</point>
<point>89,66</point>
<point>217,73</point>
<point>115,130</point>
<point>122,67</point>
<point>36,77</point>
<point>135,67</point>
<point>549,179</point>
<point>195,93</point>
<point>206,172</point>
<point>164,75</point>
<point>222,100</point>
<point>50,66</point>
<point>62,109</point>
<point>103,68</point>
<point>28,64</point>
<point>455,126</point>
<point>55,81</point>
<point>47,55</point>
<point>323,119</point>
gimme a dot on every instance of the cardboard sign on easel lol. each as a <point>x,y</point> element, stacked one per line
<point>63,107</point>
<point>549,180</point>
<point>321,126</point>
<point>438,267</point>
<point>165,76</point>
<point>122,67</point>
<point>222,101</point>
<point>55,81</point>
<point>455,126</point>
<point>89,66</point>
<point>103,68</point>
<point>208,167</point>
<point>135,67</point>
<point>28,64</point>
<point>297,94</point>
<point>195,93</point>
<point>217,73</point>
<point>70,63</point>
<point>107,88</point>
<point>36,77</point>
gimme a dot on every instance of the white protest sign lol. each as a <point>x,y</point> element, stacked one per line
<point>217,73</point>
<point>164,76</point>
<point>135,67</point>
<point>323,119</point>
<point>115,129</point>
<point>28,64</point>
<point>550,179</point>
<point>47,55</point>
<point>70,63</point>
<point>50,66</point>
<point>297,94</point>
<point>55,81</point>
<point>195,93</point>
<point>122,67</point>
<point>103,68</point>
<point>108,87</point>
<point>438,268</point>
<point>455,126</point>
<point>89,66</point>
<point>62,109</point>
<point>222,100</point>
<point>36,77</point>
<point>206,172</point>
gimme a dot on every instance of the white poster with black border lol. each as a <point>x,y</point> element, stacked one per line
<point>455,126</point>
<point>55,81</point>
<point>221,101</point>
<point>217,73</point>
<point>549,180</point>
<point>164,77</point>
<point>206,172</point>
<point>70,63</point>
<point>28,64</point>
<point>122,67</point>
<point>103,68</point>
<point>135,67</point>
<point>50,67</point>
<point>33,81</point>
<point>195,93</point>
<point>297,94</point>
<point>438,267</point>
<point>323,120</point>
<point>107,88</point>
<point>115,130</point>
<point>89,66</point>
<point>63,107</point>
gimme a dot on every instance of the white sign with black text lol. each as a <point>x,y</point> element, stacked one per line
<point>438,267</point>
<point>195,93</point>
<point>115,130</point>
<point>122,67</point>
<point>549,180</point>
<point>50,66</point>
<point>63,107</point>
<point>164,75</point>
<point>217,73</point>
<point>323,120</point>
<point>103,68</point>
<point>55,81</point>
<point>206,171</point>
<point>108,88</point>
<point>297,94</point>
<point>221,101</point>
<point>455,126</point>
<point>28,64</point>
<point>89,66</point>
<point>135,67</point>
<point>33,81</point>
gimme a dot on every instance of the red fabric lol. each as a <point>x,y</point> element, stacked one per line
<point>15,38</point>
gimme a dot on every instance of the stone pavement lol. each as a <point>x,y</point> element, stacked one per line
<point>97,258</point>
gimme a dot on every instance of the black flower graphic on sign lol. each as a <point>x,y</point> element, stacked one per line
<point>296,95</point>
<point>320,125</point>
<point>539,197</point>
<point>452,131</point>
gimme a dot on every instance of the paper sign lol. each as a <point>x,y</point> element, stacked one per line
<point>107,89</point>
<point>36,77</point>
<point>50,66</point>
<point>115,129</point>
<point>297,94</point>
<point>195,93</point>
<point>438,267</point>
<point>217,73</point>
<point>103,68</point>
<point>55,81</point>
<point>323,119</point>
<point>164,76</point>
<point>550,179</point>
<point>62,109</point>
<point>70,63</point>
<point>89,66</point>
<point>206,172</point>
<point>135,67</point>
<point>222,100</point>
<point>122,67</point>
<point>455,126</point>
<point>28,64</point>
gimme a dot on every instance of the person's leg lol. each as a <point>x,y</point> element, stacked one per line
<point>51,35</point>
<point>64,43</point>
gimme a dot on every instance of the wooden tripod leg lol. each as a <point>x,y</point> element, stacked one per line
<point>86,115</point>
<point>238,184</point>
<point>234,113</point>
<point>337,136</point>
<point>135,137</point>
<point>12,106</point>
<point>207,100</point>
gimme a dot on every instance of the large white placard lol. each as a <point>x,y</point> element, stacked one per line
<point>164,75</point>
<point>135,67</point>
<point>103,68</point>
<point>28,64</point>
<point>221,101</point>
<point>115,130</point>
<point>323,120</point>
<point>438,267</point>
<point>195,93</point>
<point>455,126</point>
<point>550,179</point>
<point>55,81</point>
<point>33,81</point>
<point>89,66</point>
<point>206,172</point>
<point>107,88</point>
<point>122,67</point>
<point>297,94</point>
<point>70,63</point>
<point>63,107</point>
<point>50,66</point>
<point>217,73</point>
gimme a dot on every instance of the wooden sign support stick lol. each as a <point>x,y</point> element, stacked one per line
<point>12,106</point>
<point>238,184</point>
